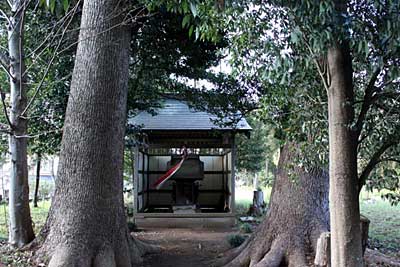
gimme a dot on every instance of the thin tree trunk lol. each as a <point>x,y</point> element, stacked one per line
<point>343,195</point>
<point>255,181</point>
<point>53,176</point>
<point>21,231</point>
<point>35,197</point>
<point>87,224</point>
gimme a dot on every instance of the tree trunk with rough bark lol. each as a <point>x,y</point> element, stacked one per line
<point>20,230</point>
<point>87,226</point>
<point>346,249</point>
<point>298,213</point>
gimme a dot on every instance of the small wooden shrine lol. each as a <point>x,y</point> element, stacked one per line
<point>202,191</point>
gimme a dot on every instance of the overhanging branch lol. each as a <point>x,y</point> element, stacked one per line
<point>56,53</point>
<point>391,140</point>
<point>390,159</point>
<point>3,96</point>
<point>368,101</point>
<point>5,64</point>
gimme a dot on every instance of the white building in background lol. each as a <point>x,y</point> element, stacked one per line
<point>48,172</point>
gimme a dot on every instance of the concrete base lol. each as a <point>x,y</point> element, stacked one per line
<point>197,220</point>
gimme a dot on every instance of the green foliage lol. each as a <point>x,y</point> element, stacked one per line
<point>56,6</point>
<point>199,17</point>
<point>386,178</point>
<point>255,152</point>
<point>167,61</point>
<point>281,47</point>
<point>47,111</point>
<point>48,71</point>
<point>246,228</point>
<point>235,240</point>
<point>128,163</point>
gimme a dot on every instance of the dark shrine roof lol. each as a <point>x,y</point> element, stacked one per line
<point>177,115</point>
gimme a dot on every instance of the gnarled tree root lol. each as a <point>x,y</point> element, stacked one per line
<point>281,250</point>
<point>127,254</point>
<point>297,215</point>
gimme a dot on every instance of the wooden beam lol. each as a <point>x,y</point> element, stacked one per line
<point>200,155</point>
<point>143,203</point>
<point>184,215</point>
<point>148,179</point>
<point>169,191</point>
<point>232,189</point>
<point>205,172</point>
<point>135,177</point>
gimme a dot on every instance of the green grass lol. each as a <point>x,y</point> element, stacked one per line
<point>384,229</point>
<point>38,214</point>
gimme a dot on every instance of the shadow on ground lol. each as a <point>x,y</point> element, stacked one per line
<point>185,247</point>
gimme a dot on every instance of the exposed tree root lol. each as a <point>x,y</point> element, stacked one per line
<point>375,258</point>
<point>297,215</point>
<point>281,251</point>
<point>126,255</point>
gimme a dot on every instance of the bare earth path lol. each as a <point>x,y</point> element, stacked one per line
<point>185,247</point>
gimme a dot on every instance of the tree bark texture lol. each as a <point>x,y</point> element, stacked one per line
<point>86,224</point>
<point>343,196</point>
<point>346,248</point>
<point>20,230</point>
<point>298,213</point>
<point>35,196</point>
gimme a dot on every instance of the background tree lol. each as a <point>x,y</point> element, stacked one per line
<point>256,153</point>
<point>284,46</point>
<point>21,231</point>
<point>168,60</point>
<point>26,19</point>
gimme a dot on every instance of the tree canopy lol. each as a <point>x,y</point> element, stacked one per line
<point>280,47</point>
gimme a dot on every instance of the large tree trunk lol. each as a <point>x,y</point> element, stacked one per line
<point>298,213</point>
<point>86,224</point>
<point>346,249</point>
<point>35,196</point>
<point>20,230</point>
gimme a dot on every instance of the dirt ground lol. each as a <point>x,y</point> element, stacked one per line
<point>185,247</point>
<point>199,247</point>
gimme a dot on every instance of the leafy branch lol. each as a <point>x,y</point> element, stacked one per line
<point>391,140</point>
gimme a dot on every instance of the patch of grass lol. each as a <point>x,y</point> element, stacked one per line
<point>384,229</point>
<point>38,214</point>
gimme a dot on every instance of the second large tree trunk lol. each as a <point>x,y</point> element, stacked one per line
<point>298,213</point>
<point>346,248</point>
<point>344,207</point>
<point>86,225</point>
